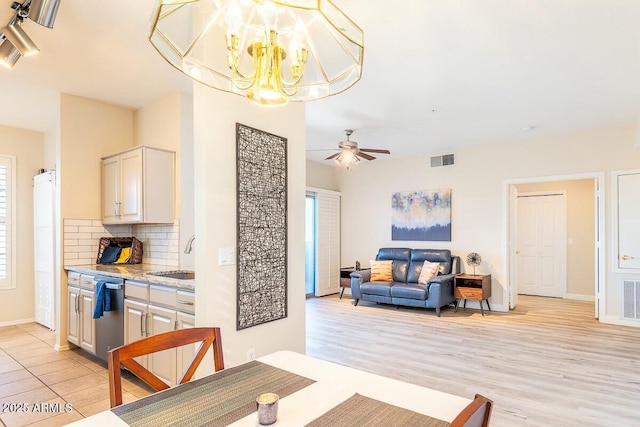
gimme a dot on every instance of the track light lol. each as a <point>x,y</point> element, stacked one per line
<point>18,38</point>
<point>44,12</point>
<point>9,55</point>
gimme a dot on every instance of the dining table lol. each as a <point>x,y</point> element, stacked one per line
<point>313,392</point>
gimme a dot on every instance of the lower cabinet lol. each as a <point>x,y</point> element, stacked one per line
<point>144,319</point>
<point>87,322</point>
<point>81,326</point>
<point>73,315</point>
<point>185,353</point>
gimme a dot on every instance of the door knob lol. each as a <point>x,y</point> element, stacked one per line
<point>626,257</point>
<point>517,252</point>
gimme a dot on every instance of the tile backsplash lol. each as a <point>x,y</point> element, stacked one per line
<point>81,239</point>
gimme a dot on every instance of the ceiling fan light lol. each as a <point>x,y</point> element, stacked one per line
<point>9,55</point>
<point>44,12</point>
<point>18,38</point>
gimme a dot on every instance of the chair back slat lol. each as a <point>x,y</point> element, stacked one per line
<point>124,356</point>
<point>476,414</point>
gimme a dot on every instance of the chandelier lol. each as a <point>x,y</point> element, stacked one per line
<point>268,51</point>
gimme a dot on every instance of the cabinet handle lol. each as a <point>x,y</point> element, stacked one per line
<point>185,302</point>
<point>146,323</point>
<point>77,304</point>
<point>626,257</point>
<point>175,325</point>
<point>141,325</point>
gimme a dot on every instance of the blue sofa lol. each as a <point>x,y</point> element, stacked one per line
<point>404,289</point>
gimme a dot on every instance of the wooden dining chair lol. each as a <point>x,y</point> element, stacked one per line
<point>124,356</point>
<point>476,414</point>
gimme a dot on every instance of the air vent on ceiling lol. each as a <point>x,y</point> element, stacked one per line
<point>444,160</point>
<point>631,299</point>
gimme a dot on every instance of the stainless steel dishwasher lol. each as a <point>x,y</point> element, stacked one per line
<point>110,326</point>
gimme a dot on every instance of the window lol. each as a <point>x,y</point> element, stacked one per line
<point>7,243</point>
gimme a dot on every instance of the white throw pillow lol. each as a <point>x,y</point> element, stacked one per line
<point>429,271</point>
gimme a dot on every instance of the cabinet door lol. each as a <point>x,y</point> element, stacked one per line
<point>134,324</point>
<point>163,363</point>
<point>73,316</point>
<point>186,352</point>
<point>87,322</point>
<point>131,175</point>
<point>110,190</point>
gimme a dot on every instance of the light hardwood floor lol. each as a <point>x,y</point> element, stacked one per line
<point>546,363</point>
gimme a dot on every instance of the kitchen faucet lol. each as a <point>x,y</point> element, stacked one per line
<point>189,246</point>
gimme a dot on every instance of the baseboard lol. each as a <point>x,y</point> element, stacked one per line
<point>580,297</point>
<point>62,347</point>
<point>614,320</point>
<point>17,322</point>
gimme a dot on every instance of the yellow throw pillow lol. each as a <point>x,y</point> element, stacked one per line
<point>381,271</point>
<point>429,271</point>
<point>125,253</point>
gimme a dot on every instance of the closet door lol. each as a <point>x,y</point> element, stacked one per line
<point>328,244</point>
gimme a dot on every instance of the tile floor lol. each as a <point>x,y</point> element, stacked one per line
<point>32,372</point>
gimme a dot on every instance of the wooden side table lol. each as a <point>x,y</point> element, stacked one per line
<point>468,286</point>
<point>345,278</point>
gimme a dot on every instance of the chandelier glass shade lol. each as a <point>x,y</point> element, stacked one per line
<point>347,158</point>
<point>268,51</point>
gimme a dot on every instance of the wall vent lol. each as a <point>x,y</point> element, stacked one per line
<point>631,299</point>
<point>444,160</point>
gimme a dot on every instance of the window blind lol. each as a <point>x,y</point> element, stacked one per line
<point>6,209</point>
<point>328,234</point>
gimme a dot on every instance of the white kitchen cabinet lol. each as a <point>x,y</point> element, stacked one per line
<point>151,310</point>
<point>73,315</point>
<point>185,353</point>
<point>87,322</point>
<point>135,314</point>
<point>81,326</point>
<point>163,363</point>
<point>138,186</point>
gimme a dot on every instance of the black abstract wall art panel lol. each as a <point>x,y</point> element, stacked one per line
<point>262,226</point>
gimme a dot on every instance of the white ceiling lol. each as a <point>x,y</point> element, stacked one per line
<point>438,74</point>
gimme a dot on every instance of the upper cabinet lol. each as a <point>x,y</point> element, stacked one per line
<point>138,186</point>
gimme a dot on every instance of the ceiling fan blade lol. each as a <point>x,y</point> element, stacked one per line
<point>365,156</point>
<point>375,150</point>
<point>333,156</point>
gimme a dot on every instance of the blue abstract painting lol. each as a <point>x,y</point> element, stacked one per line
<point>421,215</point>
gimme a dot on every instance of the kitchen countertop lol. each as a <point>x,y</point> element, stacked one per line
<point>137,272</point>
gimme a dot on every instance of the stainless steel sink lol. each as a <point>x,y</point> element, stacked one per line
<point>179,274</point>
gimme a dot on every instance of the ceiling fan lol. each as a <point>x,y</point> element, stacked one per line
<point>350,152</point>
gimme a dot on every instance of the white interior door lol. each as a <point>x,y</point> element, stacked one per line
<point>328,244</point>
<point>513,246</point>
<point>541,233</point>
<point>629,222</point>
<point>44,248</point>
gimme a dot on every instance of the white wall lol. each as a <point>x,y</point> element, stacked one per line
<point>321,176</point>
<point>215,117</point>
<point>168,123</point>
<point>89,130</point>
<point>17,305</point>
<point>477,183</point>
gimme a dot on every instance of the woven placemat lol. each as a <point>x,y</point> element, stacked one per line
<point>363,411</point>
<point>215,400</point>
